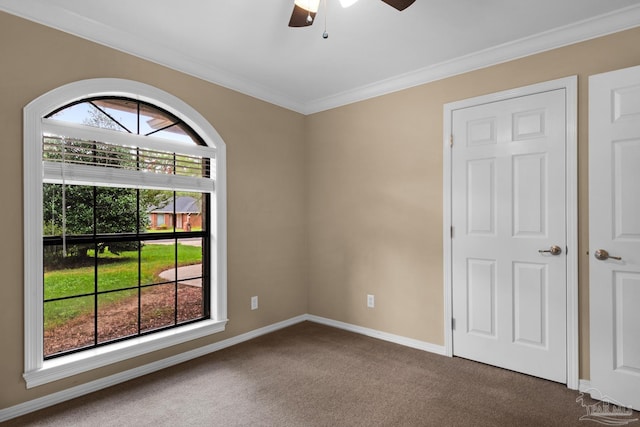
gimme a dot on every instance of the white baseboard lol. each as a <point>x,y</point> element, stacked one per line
<point>102,383</point>
<point>398,339</point>
<point>584,386</point>
<point>99,384</point>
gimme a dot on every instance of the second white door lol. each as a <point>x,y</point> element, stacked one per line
<point>509,265</point>
<point>614,235</point>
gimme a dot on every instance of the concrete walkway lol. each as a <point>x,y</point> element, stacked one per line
<point>183,273</point>
<point>190,242</point>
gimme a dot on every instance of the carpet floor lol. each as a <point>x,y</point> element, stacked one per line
<point>314,375</point>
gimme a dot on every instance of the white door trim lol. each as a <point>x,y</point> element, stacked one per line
<point>570,85</point>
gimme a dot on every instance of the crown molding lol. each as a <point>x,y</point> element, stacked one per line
<point>72,23</point>
<point>588,29</point>
<point>67,21</point>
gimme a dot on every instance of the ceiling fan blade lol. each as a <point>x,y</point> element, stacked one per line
<point>399,4</point>
<point>299,17</point>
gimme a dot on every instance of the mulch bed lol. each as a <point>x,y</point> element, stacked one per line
<point>120,319</point>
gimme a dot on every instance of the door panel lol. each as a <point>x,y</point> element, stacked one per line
<point>481,291</point>
<point>507,204</point>
<point>529,173</point>
<point>626,158</point>
<point>481,197</point>
<point>529,304</point>
<point>614,225</point>
<point>626,291</point>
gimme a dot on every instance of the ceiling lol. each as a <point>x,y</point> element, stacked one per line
<point>372,48</point>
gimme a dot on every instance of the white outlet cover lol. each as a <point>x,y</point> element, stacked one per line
<point>371,301</point>
<point>254,303</point>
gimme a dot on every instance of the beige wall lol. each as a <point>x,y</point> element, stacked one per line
<point>375,192</point>
<point>322,210</point>
<point>266,194</point>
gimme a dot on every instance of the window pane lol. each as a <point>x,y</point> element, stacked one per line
<point>76,113</point>
<point>86,114</point>
<point>191,279</point>
<point>155,206</point>
<point>190,302</point>
<point>78,214</point>
<point>153,119</point>
<point>157,307</point>
<point>117,315</point>
<point>190,253</point>
<point>124,111</point>
<point>52,209</point>
<point>79,209</point>
<point>189,211</point>
<point>116,211</point>
<point>157,262</point>
<point>68,324</point>
<point>118,270</point>
<point>70,275</point>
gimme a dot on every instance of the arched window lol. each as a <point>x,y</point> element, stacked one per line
<point>125,231</point>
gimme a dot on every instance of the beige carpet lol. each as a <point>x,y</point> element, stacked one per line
<point>314,375</point>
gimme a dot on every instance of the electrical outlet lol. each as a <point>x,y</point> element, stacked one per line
<point>254,303</point>
<point>371,301</point>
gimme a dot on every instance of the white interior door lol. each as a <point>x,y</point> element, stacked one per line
<point>507,205</point>
<point>614,227</point>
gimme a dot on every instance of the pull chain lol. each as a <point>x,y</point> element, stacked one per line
<point>309,18</point>
<point>325,35</point>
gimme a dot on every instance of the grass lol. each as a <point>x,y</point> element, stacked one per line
<point>114,272</point>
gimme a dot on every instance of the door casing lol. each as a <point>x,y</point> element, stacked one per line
<point>569,84</point>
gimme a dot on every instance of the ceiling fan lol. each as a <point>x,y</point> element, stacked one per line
<point>304,11</point>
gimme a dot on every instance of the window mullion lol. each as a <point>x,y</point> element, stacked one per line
<point>110,116</point>
<point>175,289</point>
<point>139,262</point>
<point>95,271</point>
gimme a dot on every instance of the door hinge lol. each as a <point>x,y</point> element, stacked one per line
<point>451,141</point>
<point>451,231</point>
<point>453,324</point>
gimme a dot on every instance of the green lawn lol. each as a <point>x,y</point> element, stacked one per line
<point>114,272</point>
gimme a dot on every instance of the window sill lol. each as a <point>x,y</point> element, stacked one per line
<point>73,364</point>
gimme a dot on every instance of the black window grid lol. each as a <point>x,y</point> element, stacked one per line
<point>138,237</point>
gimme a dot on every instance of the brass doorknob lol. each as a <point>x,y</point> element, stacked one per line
<point>603,255</point>
<point>553,250</point>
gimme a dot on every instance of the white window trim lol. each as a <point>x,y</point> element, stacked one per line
<point>36,370</point>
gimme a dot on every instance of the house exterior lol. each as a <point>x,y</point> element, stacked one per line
<point>184,212</point>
